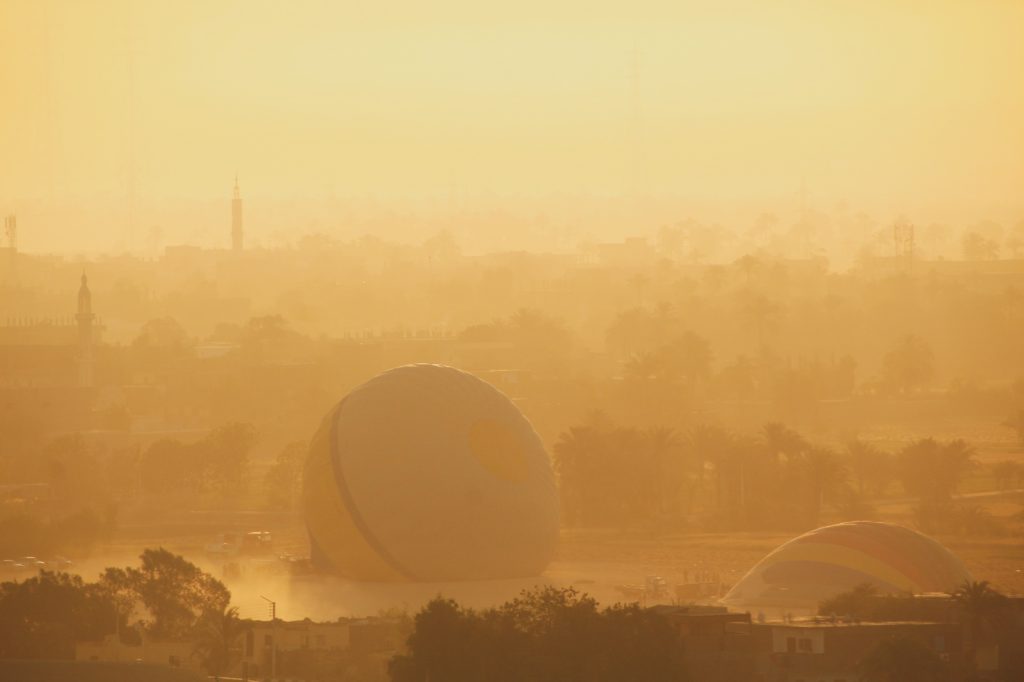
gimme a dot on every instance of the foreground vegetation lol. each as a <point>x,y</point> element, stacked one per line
<point>44,616</point>
<point>548,634</point>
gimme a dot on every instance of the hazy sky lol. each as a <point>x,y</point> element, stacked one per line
<point>913,106</point>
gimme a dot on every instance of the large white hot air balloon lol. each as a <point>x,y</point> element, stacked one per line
<point>427,473</point>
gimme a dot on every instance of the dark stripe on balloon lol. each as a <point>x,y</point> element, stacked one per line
<point>346,498</point>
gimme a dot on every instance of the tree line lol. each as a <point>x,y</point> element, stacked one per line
<point>544,635</point>
<point>549,634</point>
<point>74,491</point>
<point>774,479</point>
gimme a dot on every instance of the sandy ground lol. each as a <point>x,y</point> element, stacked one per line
<point>594,562</point>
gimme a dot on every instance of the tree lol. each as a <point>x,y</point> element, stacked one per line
<point>442,247</point>
<point>217,636</point>
<point>225,456</point>
<point>742,477</point>
<point>672,468</point>
<point>174,591</point>
<point>542,342</point>
<point>169,466</point>
<point>901,660</point>
<point>782,441</point>
<point>824,476</point>
<point>760,313</point>
<point>981,607</point>
<point>580,490</point>
<point>617,475</point>
<point>43,616</point>
<point>218,463</point>
<point>1008,474</point>
<point>871,467</point>
<point>1016,422</point>
<point>164,333</point>
<point>284,478</point>
<point>909,366</point>
<point>856,603</point>
<point>438,646</point>
<point>978,247</point>
<point>72,470</point>
<point>932,471</point>
<point>545,635</point>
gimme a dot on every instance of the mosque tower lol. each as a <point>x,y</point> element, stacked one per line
<point>236,219</point>
<point>85,335</point>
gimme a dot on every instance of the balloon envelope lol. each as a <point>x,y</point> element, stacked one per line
<point>833,559</point>
<point>427,473</point>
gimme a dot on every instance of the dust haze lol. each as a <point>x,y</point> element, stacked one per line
<point>349,307</point>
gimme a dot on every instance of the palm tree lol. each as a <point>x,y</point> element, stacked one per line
<point>572,451</point>
<point>909,366</point>
<point>708,446</point>
<point>1007,474</point>
<point>981,607</point>
<point>671,466</point>
<point>870,466</point>
<point>782,440</point>
<point>760,313</point>
<point>217,640</point>
<point>748,265</point>
<point>824,475</point>
<point>645,366</point>
<point>931,470</point>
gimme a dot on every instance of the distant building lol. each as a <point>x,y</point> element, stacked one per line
<point>175,654</point>
<point>51,352</point>
<point>264,646</point>
<point>266,641</point>
<point>717,643</point>
<point>632,252</point>
<point>725,646</point>
<point>823,651</point>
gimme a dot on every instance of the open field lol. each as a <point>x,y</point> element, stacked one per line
<point>592,561</point>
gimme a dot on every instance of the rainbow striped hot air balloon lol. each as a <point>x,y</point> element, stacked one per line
<point>815,566</point>
<point>427,473</point>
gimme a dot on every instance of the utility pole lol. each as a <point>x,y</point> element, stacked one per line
<point>272,609</point>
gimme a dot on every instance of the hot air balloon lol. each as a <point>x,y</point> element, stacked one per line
<point>427,473</point>
<point>833,559</point>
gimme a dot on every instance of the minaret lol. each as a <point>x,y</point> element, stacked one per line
<point>85,319</point>
<point>236,219</point>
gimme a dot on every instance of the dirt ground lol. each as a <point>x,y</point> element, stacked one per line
<point>597,562</point>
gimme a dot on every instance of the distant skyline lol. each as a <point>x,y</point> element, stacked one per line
<point>140,113</point>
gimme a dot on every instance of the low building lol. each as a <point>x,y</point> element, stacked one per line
<point>263,647</point>
<point>716,643</point>
<point>265,641</point>
<point>819,650</point>
<point>174,654</point>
